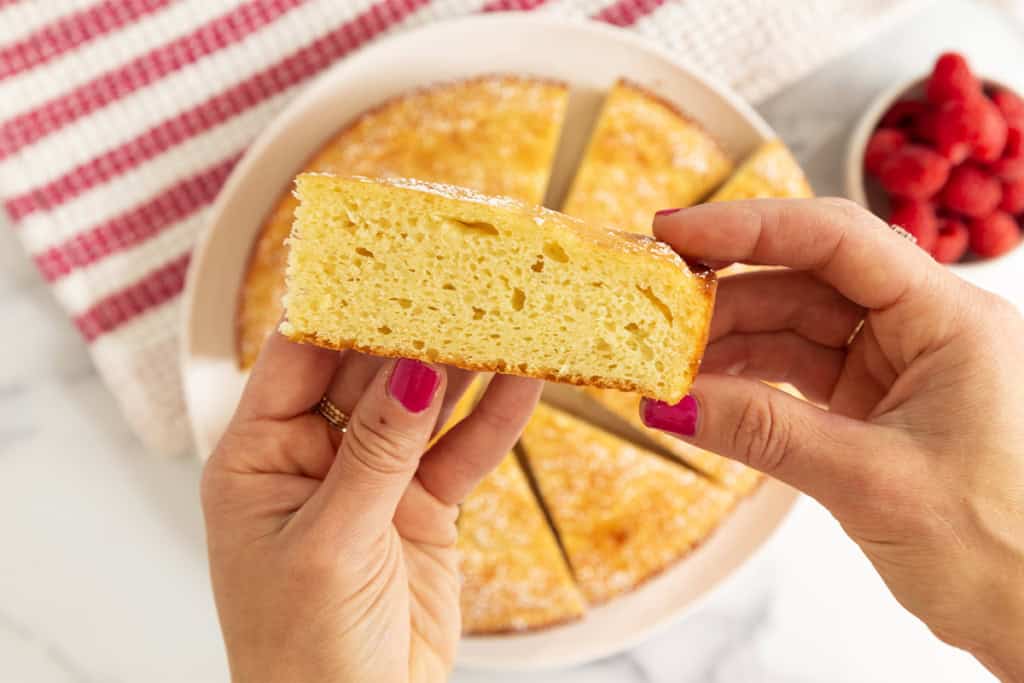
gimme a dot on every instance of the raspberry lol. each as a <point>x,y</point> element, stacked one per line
<point>903,114</point>
<point>991,140</point>
<point>1010,166</point>
<point>914,171</point>
<point>1013,197</point>
<point>994,235</point>
<point>881,146</point>
<point>917,218</point>
<point>952,130</point>
<point>951,244</point>
<point>1010,105</point>
<point>971,191</point>
<point>952,79</point>
<point>924,125</point>
<point>970,128</point>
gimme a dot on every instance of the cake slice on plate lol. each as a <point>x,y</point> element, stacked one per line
<point>404,268</point>
<point>770,172</point>
<point>495,134</point>
<point>623,514</point>
<point>514,575</point>
<point>729,474</point>
<point>644,155</point>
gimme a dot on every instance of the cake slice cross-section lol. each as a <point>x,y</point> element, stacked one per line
<point>623,514</point>
<point>403,268</point>
<point>514,575</point>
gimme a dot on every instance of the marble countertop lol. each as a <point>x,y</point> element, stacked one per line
<point>103,571</point>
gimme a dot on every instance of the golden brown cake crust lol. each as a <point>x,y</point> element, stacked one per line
<point>624,514</point>
<point>643,155</point>
<point>514,575</point>
<point>515,162</point>
<point>770,172</point>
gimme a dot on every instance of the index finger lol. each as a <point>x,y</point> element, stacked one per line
<point>287,380</point>
<point>837,240</point>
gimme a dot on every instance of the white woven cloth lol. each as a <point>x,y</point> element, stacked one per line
<point>121,119</point>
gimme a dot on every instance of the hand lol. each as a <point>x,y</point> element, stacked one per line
<point>920,453</point>
<point>333,557</point>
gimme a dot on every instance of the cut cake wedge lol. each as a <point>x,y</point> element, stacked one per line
<point>643,156</point>
<point>623,514</point>
<point>514,575</point>
<point>443,274</point>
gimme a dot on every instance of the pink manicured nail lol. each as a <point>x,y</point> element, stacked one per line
<point>664,212</point>
<point>413,383</point>
<point>679,419</point>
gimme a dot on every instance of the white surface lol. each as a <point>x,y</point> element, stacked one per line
<point>587,57</point>
<point>102,572</point>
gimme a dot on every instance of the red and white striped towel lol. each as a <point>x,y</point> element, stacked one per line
<point>121,119</point>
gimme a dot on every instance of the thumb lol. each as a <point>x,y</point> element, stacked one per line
<point>824,455</point>
<point>386,436</point>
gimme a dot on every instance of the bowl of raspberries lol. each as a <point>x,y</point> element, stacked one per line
<point>943,157</point>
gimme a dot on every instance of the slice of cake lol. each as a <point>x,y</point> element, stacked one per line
<point>514,575</point>
<point>644,155</point>
<point>730,474</point>
<point>770,172</point>
<point>495,134</point>
<point>443,274</point>
<point>623,514</point>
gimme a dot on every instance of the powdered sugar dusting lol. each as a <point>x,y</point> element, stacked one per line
<point>623,513</point>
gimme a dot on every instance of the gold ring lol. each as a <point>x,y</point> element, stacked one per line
<point>855,333</point>
<point>332,413</point>
<point>903,233</point>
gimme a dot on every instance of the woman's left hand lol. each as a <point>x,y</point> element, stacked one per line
<point>333,556</point>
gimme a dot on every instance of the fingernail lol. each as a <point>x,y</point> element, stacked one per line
<point>664,212</point>
<point>413,384</point>
<point>680,418</point>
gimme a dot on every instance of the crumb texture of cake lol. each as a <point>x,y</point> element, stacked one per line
<point>770,172</point>
<point>443,274</point>
<point>514,575</point>
<point>727,473</point>
<point>495,134</point>
<point>643,155</point>
<point>623,514</point>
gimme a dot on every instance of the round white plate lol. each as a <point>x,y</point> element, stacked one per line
<point>588,57</point>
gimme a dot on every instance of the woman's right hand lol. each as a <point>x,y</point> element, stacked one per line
<point>920,455</point>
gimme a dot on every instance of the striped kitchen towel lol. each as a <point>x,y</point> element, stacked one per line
<point>121,119</point>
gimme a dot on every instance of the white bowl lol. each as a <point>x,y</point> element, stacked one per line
<point>1000,275</point>
<point>589,57</point>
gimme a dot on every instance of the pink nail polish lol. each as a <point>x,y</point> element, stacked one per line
<point>680,418</point>
<point>664,212</point>
<point>413,383</point>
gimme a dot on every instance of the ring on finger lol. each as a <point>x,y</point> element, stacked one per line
<point>335,416</point>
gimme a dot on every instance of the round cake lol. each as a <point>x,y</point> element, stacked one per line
<point>576,515</point>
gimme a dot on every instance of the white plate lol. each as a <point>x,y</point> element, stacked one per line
<point>588,57</point>
<point>1000,275</point>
